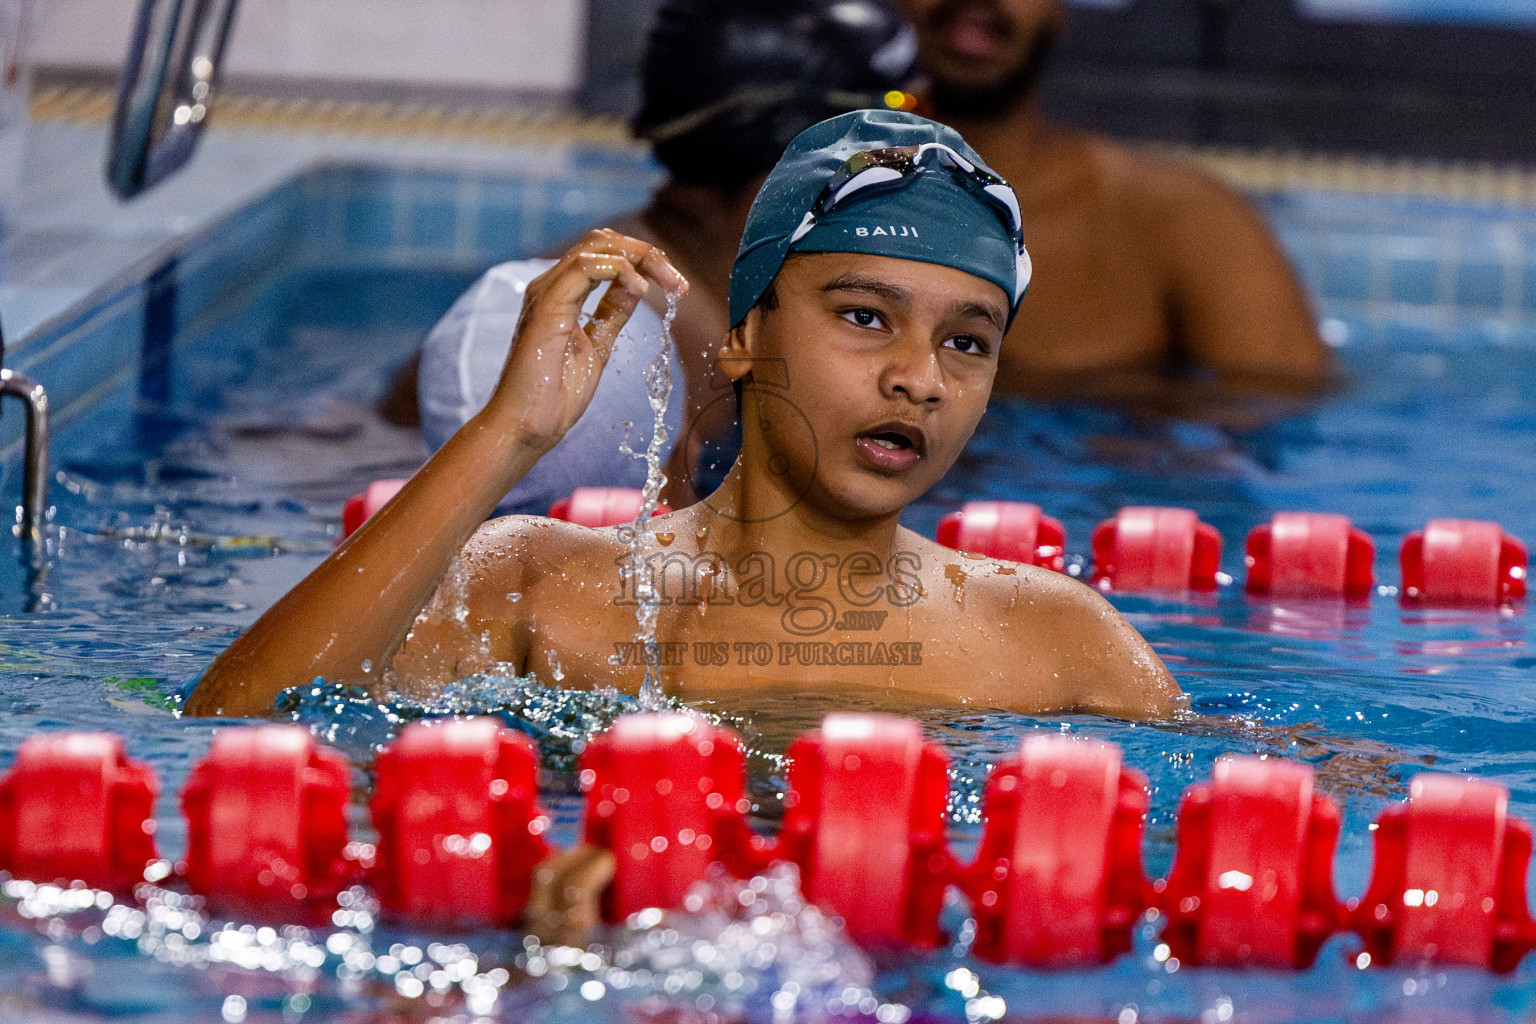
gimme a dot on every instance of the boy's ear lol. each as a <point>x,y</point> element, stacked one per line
<point>735,356</point>
<point>737,360</point>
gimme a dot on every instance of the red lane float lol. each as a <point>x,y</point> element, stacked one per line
<point>598,507</point>
<point>1448,883</point>
<point>1057,880</point>
<point>266,821</point>
<point>361,507</point>
<point>1015,531</point>
<point>666,794</point>
<point>1149,548</point>
<point>1310,554</point>
<point>75,808</point>
<point>1463,562</point>
<point>864,820</point>
<point>1252,878</point>
<point>460,827</point>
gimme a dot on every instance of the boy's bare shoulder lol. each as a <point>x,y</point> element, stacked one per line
<point>987,578</point>
<point>1047,615</point>
<point>1004,584</point>
<point>534,546</point>
<point>1022,595</point>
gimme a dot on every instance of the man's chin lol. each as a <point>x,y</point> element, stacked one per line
<point>964,87</point>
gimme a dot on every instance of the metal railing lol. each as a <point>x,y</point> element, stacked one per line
<point>32,514</point>
<point>173,66</point>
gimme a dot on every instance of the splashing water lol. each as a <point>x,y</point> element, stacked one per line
<point>277,969</point>
<point>658,391</point>
<point>753,950</point>
<point>561,721</point>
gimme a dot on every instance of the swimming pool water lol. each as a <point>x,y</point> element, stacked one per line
<point>212,425</point>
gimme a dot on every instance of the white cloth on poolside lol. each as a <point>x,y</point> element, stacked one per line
<point>461,361</point>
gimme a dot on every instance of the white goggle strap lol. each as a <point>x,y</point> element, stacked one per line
<point>804,229</point>
<point>1024,269</point>
<point>1005,195</point>
<point>939,147</point>
<point>1002,193</point>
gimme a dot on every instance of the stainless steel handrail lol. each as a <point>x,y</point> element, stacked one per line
<point>32,521</point>
<point>174,61</point>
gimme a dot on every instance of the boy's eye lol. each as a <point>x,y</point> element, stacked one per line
<point>862,317</point>
<point>966,343</point>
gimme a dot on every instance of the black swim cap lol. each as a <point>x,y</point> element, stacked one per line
<point>728,83</point>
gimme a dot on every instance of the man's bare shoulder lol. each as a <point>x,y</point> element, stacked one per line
<point>1158,185</point>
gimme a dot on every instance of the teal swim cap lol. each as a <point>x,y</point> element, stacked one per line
<point>883,183</point>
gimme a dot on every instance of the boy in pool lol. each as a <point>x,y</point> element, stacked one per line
<point>881,266</point>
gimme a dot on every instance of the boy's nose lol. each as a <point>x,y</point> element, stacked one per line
<point>913,373</point>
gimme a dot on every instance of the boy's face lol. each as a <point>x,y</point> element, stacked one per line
<point>889,365</point>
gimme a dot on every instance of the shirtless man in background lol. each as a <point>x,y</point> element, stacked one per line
<point>1148,264</point>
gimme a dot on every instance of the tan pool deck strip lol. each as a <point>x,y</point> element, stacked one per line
<point>1256,170</point>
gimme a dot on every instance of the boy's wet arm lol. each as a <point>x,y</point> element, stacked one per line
<point>347,619</point>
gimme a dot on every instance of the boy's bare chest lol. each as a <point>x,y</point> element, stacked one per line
<point>866,624</point>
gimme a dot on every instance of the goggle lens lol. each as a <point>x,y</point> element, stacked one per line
<point>894,167</point>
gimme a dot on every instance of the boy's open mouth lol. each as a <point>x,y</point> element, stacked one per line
<point>892,447</point>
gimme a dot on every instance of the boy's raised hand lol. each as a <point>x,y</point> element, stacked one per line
<point>556,360</point>
<point>352,612</point>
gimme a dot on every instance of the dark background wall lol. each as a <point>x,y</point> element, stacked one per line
<point>1256,73</point>
<point>1253,73</point>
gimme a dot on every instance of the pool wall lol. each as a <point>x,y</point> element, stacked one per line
<point>1367,261</point>
<point>333,216</point>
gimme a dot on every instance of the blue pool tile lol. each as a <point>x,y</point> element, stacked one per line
<point>241,252</point>
<point>24,309</point>
<point>323,216</point>
<point>499,232</point>
<point>73,357</point>
<point>1415,281</point>
<point>504,193</point>
<point>434,223</point>
<point>1346,274</point>
<point>370,223</point>
<point>1480,284</point>
<point>1528,284</point>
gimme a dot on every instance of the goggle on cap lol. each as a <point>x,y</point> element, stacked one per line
<point>935,202</point>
